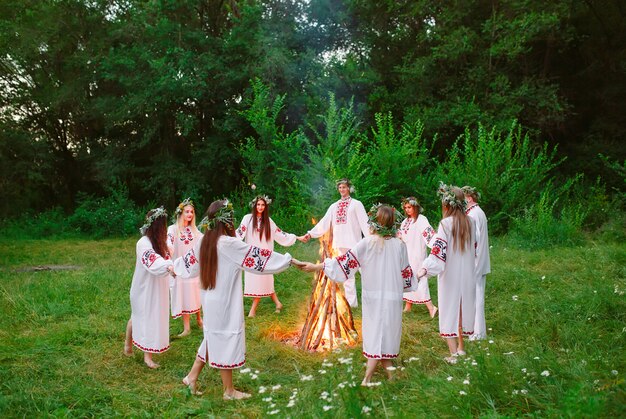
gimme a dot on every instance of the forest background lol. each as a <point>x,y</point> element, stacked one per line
<point>108,108</point>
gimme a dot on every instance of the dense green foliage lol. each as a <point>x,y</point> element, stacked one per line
<point>62,332</point>
<point>169,98</point>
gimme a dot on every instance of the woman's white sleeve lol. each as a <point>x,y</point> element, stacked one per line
<point>435,263</point>
<point>344,267</point>
<point>151,261</point>
<point>282,238</point>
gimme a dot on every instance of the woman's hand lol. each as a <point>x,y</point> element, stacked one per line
<point>170,269</point>
<point>421,273</point>
<point>303,239</point>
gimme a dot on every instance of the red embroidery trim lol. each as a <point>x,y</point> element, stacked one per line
<point>175,316</point>
<point>381,356</point>
<point>470,208</point>
<point>416,301</point>
<point>213,364</point>
<point>448,335</point>
<point>201,358</point>
<point>256,295</point>
<point>155,351</point>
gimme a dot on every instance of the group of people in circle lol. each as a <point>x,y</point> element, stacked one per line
<point>200,272</point>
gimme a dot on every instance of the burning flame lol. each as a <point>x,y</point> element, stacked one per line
<point>329,322</point>
<point>313,221</point>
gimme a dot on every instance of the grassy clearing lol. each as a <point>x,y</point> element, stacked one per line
<point>560,310</point>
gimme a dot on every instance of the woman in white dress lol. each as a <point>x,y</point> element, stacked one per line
<point>386,273</point>
<point>452,259</point>
<point>416,232</point>
<point>185,293</point>
<point>149,326</point>
<point>258,229</point>
<point>219,259</point>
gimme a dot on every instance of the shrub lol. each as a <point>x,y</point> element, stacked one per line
<point>113,215</point>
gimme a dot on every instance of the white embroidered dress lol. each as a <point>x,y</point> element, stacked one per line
<point>456,282</point>
<point>483,267</point>
<point>417,233</point>
<point>184,293</point>
<point>224,343</point>
<point>149,303</point>
<point>261,285</point>
<point>385,274</point>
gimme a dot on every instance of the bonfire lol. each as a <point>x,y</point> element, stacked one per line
<point>329,321</point>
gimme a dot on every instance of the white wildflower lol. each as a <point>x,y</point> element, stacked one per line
<point>536,357</point>
<point>254,376</point>
<point>491,341</point>
<point>402,368</point>
<point>245,370</point>
<point>366,409</point>
<point>346,360</point>
<point>374,384</point>
<point>411,359</point>
<point>508,353</point>
<point>324,395</point>
<point>273,412</point>
<point>256,372</point>
<point>306,378</point>
<point>276,387</point>
<point>322,371</point>
<point>253,187</point>
<point>291,403</point>
<point>327,408</point>
<point>515,298</point>
<point>543,277</point>
<point>614,372</point>
<point>449,378</point>
<point>524,370</point>
<point>474,363</point>
<point>466,382</point>
<point>462,393</point>
<point>523,391</point>
<point>262,389</point>
<point>514,392</point>
<point>267,399</point>
<point>391,368</point>
<point>545,373</point>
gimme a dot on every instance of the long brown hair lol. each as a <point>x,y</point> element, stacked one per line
<point>208,248</point>
<point>157,233</point>
<point>461,225</point>
<point>417,209</point>
<point>265,229</point>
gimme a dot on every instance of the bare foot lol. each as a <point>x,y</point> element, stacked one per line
<point>236,395</point>
<point>251,314</point>
<point>433,312</point>
<point>128,350</point>
<point>200,324</point>
<point>151,364</point>
<point>279,308</point>
<point>185,333</point>
<point>192,386</point>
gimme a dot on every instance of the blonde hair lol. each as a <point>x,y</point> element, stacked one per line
<point>461,224</point>
<point>180,223</point>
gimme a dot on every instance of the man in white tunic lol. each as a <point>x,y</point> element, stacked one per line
<point>483,264</point>
<point>386,273</point>
<point>348,220</point>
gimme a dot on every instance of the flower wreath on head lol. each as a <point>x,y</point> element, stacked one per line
<point>347,182</point>
<point>182,205</point>
<point>470,190</point>
<point>380,230</point>
<point>413,203</point>
<point>226,214</point>
<point>448,197</point>
<point>156,213</point>
<point>265,198</point>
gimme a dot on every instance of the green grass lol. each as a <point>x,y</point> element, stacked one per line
<point>61,339</point>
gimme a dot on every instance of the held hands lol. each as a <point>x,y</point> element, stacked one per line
<point>421,273</point>
<point>304,238</point>
<point>170,269</point>
<point>306,266</point>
